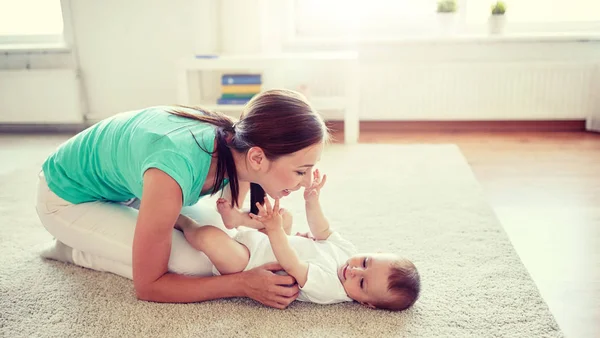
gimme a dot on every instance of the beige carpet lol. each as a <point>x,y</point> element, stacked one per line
<point>419,201</point>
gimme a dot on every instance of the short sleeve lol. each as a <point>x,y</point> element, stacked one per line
<point>347,247</point>
<point>176,166</point>
<point>323,287</point>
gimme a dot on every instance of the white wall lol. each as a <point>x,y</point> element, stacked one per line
<point>127,51</point>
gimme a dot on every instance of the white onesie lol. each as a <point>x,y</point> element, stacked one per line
<point>324,257</point>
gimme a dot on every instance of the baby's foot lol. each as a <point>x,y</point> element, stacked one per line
<point>229,215</point>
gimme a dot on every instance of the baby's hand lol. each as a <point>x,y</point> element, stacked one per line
<point>312,193</point>
<point>270,217</point>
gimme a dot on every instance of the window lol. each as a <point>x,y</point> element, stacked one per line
<point>318,18</point>
<point>538,11</point>
<point>31,21</point>
<point>394,18</point>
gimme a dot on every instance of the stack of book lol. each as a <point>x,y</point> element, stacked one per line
<point>239,88</point>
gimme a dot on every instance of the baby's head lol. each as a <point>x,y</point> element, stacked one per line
<point>379,280</point>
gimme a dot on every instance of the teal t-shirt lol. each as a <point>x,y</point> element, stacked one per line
<point>107,161</point>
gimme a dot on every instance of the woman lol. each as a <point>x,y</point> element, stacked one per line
<point>168,157</point>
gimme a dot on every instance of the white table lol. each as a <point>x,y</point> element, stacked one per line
<point>190,91</point>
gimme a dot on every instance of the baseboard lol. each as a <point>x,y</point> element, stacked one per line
<point>25,128</point>
<point>465,126</point>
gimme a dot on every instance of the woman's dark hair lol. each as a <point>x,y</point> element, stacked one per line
<point>279,121</point>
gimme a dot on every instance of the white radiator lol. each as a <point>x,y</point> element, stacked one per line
<point>41,96</point>
<point>593,122</point>
<point>476,91</point>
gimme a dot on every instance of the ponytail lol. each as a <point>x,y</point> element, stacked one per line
<point>225,163</point>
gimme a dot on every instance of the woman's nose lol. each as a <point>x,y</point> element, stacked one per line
<point>307,179</point>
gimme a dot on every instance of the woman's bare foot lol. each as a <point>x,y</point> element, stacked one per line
<point>232,218</point>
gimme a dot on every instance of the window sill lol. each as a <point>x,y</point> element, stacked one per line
<point>450,39</point>
<point>35,48</point>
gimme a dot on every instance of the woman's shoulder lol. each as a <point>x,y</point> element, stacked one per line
<point>156,129</point>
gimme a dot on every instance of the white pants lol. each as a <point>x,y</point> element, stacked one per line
<point>101,233</point>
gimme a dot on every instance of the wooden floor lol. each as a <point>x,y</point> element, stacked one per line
<point>545,189</point>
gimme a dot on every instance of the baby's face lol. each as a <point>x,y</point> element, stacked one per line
<point>365,277</point>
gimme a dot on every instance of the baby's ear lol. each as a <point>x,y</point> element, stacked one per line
<point>369,305</point>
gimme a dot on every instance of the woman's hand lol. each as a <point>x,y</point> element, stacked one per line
<point>268,288</point>
<point>312,193</point>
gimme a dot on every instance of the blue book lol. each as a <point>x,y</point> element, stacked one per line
<point>233,79</point>
<point>232,101</point>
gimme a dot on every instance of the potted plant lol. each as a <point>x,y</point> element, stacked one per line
<point>446,12</point>
<point>497,19</point>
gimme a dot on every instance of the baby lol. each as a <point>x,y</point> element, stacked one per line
<point>325,266</point>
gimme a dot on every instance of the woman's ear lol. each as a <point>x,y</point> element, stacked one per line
<point>256,158</point>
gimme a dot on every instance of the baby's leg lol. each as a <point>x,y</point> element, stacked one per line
<point>227,255</point>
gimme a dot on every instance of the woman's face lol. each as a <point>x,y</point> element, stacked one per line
<point>289,173</point>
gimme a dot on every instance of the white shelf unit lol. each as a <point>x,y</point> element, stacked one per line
<point>191,92</point>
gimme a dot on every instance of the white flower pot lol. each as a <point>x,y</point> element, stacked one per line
<point>447,23</point>
<point>496,24</point>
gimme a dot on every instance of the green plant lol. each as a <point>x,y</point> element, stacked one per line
<point>446,6</point>
<point>499,8</point>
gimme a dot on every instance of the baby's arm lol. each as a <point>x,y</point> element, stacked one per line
<point>319,226</point>
<point>285,254</point>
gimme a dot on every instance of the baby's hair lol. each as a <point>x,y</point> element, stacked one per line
<point>404,283</point>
